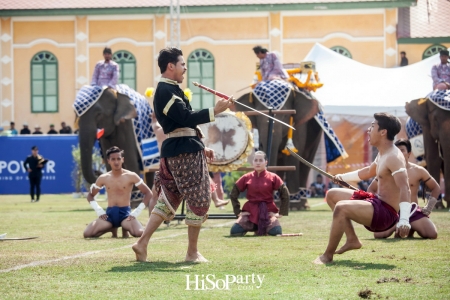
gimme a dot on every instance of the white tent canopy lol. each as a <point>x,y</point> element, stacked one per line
<point>354,88</point>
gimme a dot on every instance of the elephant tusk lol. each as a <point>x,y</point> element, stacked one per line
<point>422,101</point>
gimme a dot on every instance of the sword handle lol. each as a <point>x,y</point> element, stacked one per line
<point>221,95</point>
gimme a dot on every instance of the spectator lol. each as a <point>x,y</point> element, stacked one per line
<point>12,129</point>
<point>318,188</point>
<point>4,132</point>
<point>65,129</point>
<point>25,129</point>
<point>404,60</point>
<point>332,185</point>
<point>364,185</point>
<point>52,130</point>
<point>37,129</point>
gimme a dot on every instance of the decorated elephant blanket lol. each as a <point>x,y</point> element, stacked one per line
<point>86,97</point>
<point>415,135</point>
<point>413,128</point>
<point>440,98</point>
<point>145,138</point>
<point>273,93</point>
<point>333,146</point>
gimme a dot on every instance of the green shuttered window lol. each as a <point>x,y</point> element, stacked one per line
<point>342,51</point>
<point>201,69</point>
<point>44,83</point>
<point>432,50</point>
<point>127,66</point>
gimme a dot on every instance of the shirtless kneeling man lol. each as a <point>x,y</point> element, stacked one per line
<point>119,184</point>
<point>419,220</point>
<point>376,212</point>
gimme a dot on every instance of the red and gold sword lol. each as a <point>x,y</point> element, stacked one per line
<point>232,99</point>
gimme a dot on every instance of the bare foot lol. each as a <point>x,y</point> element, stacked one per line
<point>220,203</point>
<point>141,252</point>
<point>196,257</point>
<point>322,260</point>
<point>125,234</point>
<point>349,246</point>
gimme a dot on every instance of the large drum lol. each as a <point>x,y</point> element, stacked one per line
<point>230,137</point>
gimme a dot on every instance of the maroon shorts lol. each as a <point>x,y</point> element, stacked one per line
<point>417,215</point>
<point>384,215</point>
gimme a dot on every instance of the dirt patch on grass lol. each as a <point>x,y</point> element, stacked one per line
<point>368,294</point>
<point>394,279</point>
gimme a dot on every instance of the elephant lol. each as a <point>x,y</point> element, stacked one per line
<point>435,123</point>
<point>306,136</point>
<point>113,112</point>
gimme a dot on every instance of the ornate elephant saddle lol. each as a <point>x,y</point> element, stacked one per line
<point>273,93</point>
<point>86,97</point>
<point>440,98</point>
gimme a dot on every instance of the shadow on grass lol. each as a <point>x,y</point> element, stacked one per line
<point>157,266</point>
<point>248,235</point>
<point>64,211</point>
<point>361,265</point>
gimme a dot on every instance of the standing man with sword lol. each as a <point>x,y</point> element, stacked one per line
<point>183,173</point>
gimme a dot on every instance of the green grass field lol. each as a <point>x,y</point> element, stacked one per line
<point>60,264</point>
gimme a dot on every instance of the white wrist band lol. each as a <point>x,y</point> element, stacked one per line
<point>405,211</point>
<point>138,210</point>
<point>351,176</point>
<point>100,211</point>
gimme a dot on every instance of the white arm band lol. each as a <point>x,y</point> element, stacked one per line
<point>95,186</point>
<point>138,210</point>
<point>398,171</point>
<point>351,176</point>
<point>405,211</point>
<point>100,211</point>
<point>139,182</point>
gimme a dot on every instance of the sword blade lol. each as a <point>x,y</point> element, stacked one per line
<point>340,182</point>
<point>243,89</point>
<point>18,239</point>
<point>276,120</point>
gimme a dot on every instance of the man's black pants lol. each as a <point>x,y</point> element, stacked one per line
<point>35,183</point>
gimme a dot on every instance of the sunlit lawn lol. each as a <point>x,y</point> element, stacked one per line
<point>60,264</point>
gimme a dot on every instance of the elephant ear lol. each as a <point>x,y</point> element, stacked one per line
<point>306,108</point>
<point>124,110</point>
<point>417,110</point>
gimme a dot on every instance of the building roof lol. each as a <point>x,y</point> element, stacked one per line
<point>58,4</point>
<point>19,7</point>
<point>429,19</point>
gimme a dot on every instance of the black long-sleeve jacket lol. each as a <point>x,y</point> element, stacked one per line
<point>173,111</point>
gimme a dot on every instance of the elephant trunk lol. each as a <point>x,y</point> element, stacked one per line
<point>87,140</point>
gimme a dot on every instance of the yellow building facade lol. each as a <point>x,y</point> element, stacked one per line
<point>223,41</point>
